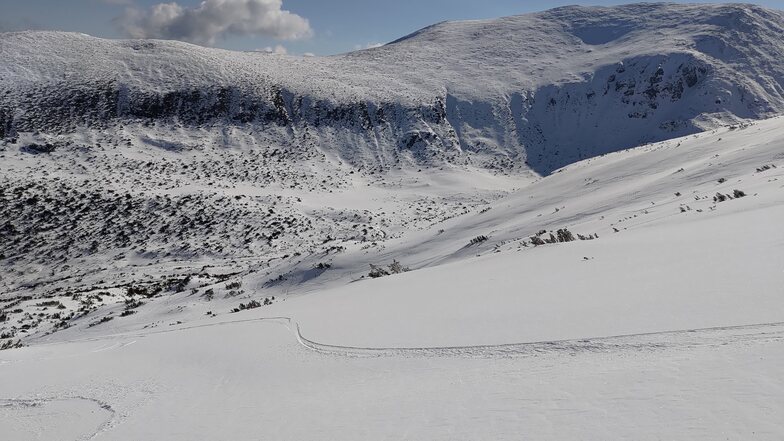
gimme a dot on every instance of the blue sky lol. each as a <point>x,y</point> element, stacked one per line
<point>320,27</point>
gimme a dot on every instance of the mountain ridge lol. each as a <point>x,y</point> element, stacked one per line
<point>486,90</point>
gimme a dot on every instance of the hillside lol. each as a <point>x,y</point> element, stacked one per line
<point>543,89</point>
<point>123,156</point>
<point>671,311</point>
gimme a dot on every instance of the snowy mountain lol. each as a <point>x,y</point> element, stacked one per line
<point>563,225</point>
<point>543,89</point>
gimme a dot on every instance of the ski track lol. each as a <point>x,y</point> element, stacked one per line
<point>661,340</point>
<point>673,340</point>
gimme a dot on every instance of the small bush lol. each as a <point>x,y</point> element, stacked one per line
<point>377,271</point>
<point>234,285</point>
<point>478,239</point>
<point>11,345</point>
<point>252,305</point>
<point>536,241</point>
<point>565,235</point>
<point>132,304</point>
<point>394,268</point>
<point>103,320</point>
<point>177,285</point>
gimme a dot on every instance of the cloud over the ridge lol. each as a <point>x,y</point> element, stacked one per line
<point>367,46</point>
<point>214,19</point>
<point>278,49</point>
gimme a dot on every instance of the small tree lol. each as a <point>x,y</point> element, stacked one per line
<point>396,268</point>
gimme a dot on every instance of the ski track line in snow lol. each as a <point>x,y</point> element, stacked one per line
<point>714,336</point>
<point>711,336</point>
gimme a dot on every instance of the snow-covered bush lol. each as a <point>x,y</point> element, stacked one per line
<point>394,268</point>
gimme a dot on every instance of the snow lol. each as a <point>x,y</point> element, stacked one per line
<point>251,380</point>
<point>170,279</point>
<point>643,281</point>
<point>675,318</point>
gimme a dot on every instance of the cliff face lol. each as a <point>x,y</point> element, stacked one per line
<point>536,91</point>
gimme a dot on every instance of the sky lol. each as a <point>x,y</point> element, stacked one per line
<point>301,27</point>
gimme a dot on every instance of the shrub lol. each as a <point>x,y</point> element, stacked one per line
<point>11,345</point>
<point>132,304</point>
<point>103,320</point>
<point>394,268</point>
<point>536,241</point>
<point>565,235</point>
<point>478,239</point>
<point>178,285</point>
<point>250,305</point>
<point>377,271</point>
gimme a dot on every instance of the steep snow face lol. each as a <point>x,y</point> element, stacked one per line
<point>537,91</point>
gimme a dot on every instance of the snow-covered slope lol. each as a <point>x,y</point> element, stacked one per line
<point>668,325</point>
<point>542,89</point>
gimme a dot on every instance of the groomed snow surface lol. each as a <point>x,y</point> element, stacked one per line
<point>666,326</point>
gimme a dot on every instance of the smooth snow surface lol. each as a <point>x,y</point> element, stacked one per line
<point>251,380</point>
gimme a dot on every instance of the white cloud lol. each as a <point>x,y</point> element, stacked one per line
<point>214,19</point>
<point>367,46</point>
<point>278,49</point>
